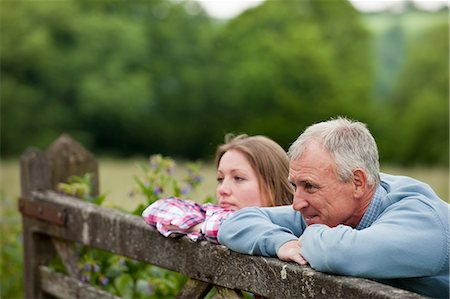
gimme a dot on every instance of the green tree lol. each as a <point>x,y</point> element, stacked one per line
<point>114,74</point>
<point>420,102</point>
<point>287,64</point>
<point>391,51</point>
<point>35,93</point>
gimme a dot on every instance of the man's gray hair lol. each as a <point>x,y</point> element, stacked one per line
<point>350,144</point>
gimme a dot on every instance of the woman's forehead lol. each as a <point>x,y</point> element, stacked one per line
<point>234,159</point>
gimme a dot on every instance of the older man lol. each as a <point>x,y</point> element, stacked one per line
<point>349,219</point>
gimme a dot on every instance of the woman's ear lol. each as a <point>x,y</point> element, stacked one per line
<point>359,182</point>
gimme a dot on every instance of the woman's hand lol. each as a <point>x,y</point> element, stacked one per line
<point>195,228</point>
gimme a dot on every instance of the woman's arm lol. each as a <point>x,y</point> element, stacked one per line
<point>174,216</point>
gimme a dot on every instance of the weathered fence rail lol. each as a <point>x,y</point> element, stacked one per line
<point>53,223</point>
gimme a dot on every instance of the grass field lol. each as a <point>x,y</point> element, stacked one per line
<point>116,180</point>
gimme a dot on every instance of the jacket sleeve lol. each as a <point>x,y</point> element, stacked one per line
<point>214,218</point>
<point>173,215</point>
<point>408,240</point>
<point>261,231</point>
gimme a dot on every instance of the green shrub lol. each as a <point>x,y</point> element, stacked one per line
<point>123,276</point>
<point>11,261</point>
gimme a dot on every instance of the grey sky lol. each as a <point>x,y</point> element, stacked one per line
<point>225,9</point>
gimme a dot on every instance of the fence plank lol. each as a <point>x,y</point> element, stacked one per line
<point>43,171</point>
<point>194,289</point>
<point>69,257</point>
<point>226,293</point>
<point>38,250</point>
<point>130,236</point>
<point>34,172</point>
<point>62,286</point>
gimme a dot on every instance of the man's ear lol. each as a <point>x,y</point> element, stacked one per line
<point>359,182</point>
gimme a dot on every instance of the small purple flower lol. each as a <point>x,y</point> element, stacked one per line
<point>155,162</point>
<point>104,280</point>
<point>171,170</point>
<point>96,268</point>
<point>86,278</point>
<point>122,261</point>
<point>185,190</point>
<point>157,190</point>
<point>197,179</point>
<point>87,267</point>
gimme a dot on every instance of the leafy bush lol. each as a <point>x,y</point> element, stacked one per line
<point>116,274</point>
<point>123,276</point>
<point>11,262</point>
<point>158,181</point>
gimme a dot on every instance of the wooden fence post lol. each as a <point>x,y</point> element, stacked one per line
<point>43,171</point>
<point>67,158</point>
<point>37,249</point>
<point>34,172</point>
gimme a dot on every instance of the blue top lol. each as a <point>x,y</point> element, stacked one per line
<point>402,239</point>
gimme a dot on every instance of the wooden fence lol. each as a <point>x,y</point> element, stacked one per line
<point>54,223</point>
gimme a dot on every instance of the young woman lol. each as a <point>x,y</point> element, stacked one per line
<point>251,171</point>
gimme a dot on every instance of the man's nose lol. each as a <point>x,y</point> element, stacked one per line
<point>299,202</point>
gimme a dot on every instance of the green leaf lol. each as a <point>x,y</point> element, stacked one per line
<point>116,269</point>
<point>143,288</point>
<point>124,285</point>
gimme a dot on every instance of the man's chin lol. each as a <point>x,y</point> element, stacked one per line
<point>312,220</point>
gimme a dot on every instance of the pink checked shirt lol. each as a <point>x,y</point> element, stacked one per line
<point>174,216</point>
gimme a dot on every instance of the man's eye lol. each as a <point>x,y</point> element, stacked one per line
<point>309,187</point>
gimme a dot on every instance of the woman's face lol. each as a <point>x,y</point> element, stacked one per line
<point>237,182</point>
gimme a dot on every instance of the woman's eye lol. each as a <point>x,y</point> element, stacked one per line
<point>219,180</point>
<point>239,178</point>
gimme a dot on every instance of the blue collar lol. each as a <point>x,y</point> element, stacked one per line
<point>373,211</point>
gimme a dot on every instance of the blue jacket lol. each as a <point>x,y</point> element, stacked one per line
<point>402,239</point>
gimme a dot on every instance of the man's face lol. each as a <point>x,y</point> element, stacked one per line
<point>319,195</point>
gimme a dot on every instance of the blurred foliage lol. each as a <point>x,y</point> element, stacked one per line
<point>119,275</point>
<point>81,187</point>
<point>412,87</point>
<point>11,252</point>
<point>420,101</point>
<point>158,180</point>
<point>161,76</point>
<point>288,65</point>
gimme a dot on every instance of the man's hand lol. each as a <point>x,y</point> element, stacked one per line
<point>291,251</point>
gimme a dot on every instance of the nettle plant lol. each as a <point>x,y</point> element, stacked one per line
<point>119,275</point>
<point>160,180</point>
